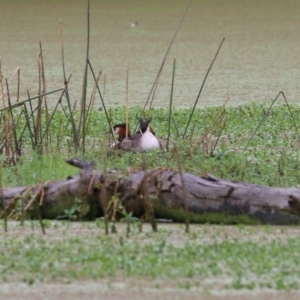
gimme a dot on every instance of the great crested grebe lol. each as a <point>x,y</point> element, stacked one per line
<point>144,140</point>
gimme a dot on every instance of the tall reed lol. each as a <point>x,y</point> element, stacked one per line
<point>82,109</point>
<point>164,59</point>
<point>170,105</point>
<point>66,89</point>
<point>201,88</point>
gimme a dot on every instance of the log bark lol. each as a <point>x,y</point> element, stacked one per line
<point>206,195</point>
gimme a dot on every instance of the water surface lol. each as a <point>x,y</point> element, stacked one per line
<point>259,58</point>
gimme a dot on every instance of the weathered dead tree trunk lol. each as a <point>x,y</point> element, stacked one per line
<point>205,195</point>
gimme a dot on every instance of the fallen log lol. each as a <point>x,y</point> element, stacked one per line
<point>206,196</point>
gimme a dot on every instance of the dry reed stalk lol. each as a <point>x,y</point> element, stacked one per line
<point>18,88</point>
<point>192,133</point>
<point>29,99</point>
<point>22,217</point>
<point>66,82</point>
<point>32,117</point>
<point>213,124</point>
<point>38,124</point>
<point>207,137</point>
<point>14,149</point>
<point>149,211</point>
<point>59,135</point>
<point>20,139</point>
<point>82,107</point>
<point>49,119</point>
<point>6,136</point>
<point>187,217</point>
<point>38,204</point>
<point>4,90</point>
<point>103,196</point>
<point>163,61</point>
<point>43,91</point>
<point>175,126</point>
<point>261,121</point>
<point>39,213</point>
<point>211,127</point>
<point>291,114</point>
<point>35,201</point>
<point>92,101</point>
<point>170,105</point>
<point>62,49</point>
<point>154,90</point>
<point>126,100</point>
<point>102,100</point>
<point>112,207</point>
<point>1,84</point>
<point>31,133</point>
<point>214,145</point>
<point>201,88</point>
<point>4,212</point>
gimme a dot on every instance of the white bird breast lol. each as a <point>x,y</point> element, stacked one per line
<point>149,142</point>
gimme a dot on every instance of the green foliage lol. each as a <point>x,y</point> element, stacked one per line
<point>248,257</point>
<point>72,213</point>
<point>272,157</point>
<point>34,168</point>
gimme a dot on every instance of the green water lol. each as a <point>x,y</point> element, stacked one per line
<point>259,58</point>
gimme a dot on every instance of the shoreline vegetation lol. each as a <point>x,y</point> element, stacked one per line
<point>268,158</point>
<point>271,157</point>
<point>255,143</point>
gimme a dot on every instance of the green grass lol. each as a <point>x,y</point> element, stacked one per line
<point>272,158</point>
<point>238,257</point>
<point>209,257</point>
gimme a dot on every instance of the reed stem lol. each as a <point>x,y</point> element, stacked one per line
<point>14,129</point>
<point>200,91</point>
<point>170,107</point>
<point>92,101</point>
<point>103,104</point>
<point>149,211</point>
<point>291,114</point>
<point>4,212</point>
<point>29,99</point>
<point>127,121</point>
<point>82,112</point>
<point>187,217</point>
<point>38,210</point>
<point>163,61</point>
<point>52,115</point>
<point>262,120</point>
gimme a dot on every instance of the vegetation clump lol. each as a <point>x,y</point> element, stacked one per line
<point>271,158</point>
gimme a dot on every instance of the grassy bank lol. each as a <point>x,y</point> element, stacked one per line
<point>213,144</point>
